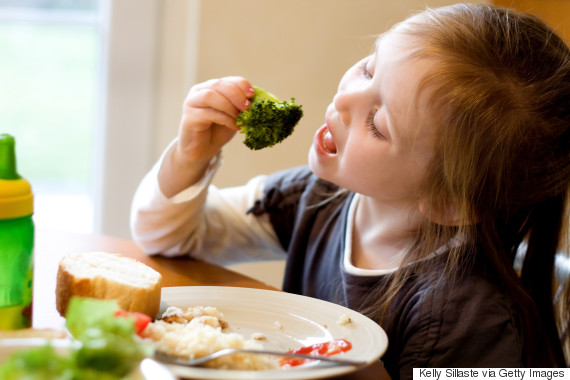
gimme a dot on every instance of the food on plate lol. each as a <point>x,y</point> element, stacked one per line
<point>202,330</point>
<point>107,346</point>
<point>333,347</point>
<point>344,319</point>
<point>268,120</point>
<point>177,315</point>
<point>199,331</point>
<point>258,336</point>
<point>135,286</point>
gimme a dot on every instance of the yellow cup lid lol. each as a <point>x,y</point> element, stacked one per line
<point>16,198</point>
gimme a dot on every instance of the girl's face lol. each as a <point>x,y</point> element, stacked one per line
<point>376,140</point>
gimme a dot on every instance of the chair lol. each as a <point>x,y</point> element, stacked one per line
<point>561,293</point>
<point>561,297</point>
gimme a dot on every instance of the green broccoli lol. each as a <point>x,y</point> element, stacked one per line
<point>268,120</point>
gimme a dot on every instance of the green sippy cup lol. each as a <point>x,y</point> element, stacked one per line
<point>16,241</point>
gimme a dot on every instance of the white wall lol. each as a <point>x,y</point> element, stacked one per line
<point>293,48</point>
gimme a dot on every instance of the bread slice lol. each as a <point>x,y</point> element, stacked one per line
<point>134,285</point>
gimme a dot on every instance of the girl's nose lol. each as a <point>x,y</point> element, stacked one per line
<point>342,104</point>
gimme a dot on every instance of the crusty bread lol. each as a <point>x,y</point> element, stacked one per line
<point>134,285</point>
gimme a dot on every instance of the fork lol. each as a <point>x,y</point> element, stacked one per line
<point>165,358</point>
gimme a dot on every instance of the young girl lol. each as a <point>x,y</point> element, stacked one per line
<point>440,154</point>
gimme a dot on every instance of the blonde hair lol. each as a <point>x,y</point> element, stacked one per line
<point>499,95</point>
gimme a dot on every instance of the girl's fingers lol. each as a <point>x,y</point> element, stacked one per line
<point>244,85</point>
<point>209,98</point>
<point>209,115</point>
<point>230,95</point>
<point>203,118</point>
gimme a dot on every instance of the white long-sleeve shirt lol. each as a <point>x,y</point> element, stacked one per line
<point>203,221</point>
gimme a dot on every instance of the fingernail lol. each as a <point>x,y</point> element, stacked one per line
<point>250,91</point>
<point>246,104</point>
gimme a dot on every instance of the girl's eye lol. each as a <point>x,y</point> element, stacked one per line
<point>372,127</point>
<point>363,69</point>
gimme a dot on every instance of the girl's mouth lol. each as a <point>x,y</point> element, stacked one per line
<point>324,141</point>
<point>328,142</point>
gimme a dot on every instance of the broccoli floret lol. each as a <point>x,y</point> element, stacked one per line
<point>268,120</point>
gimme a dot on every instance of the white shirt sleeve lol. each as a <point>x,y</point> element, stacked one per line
<point>203,221</point>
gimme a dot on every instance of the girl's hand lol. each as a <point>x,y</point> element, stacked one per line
<point>209,115</point>
<point>208,123</point>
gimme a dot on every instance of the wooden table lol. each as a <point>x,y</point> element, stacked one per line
<point>51,246</point>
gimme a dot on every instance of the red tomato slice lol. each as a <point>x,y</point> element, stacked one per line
<point>326,349</point>
<point>140,320</point>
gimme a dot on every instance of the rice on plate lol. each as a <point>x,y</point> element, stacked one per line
<point>199,331</point>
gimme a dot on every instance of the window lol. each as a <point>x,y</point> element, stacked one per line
<point>50,69</point>
<point>78,92</point>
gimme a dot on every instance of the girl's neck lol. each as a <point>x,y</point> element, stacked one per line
<point>382,233</point>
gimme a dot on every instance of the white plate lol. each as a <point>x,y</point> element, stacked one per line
<point>288,321</point>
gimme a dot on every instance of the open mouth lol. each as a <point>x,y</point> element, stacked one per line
<point>324,141</point>
<point>328,142</point>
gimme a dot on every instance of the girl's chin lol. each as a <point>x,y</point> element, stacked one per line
<point>321,159</point>
<point>319,164</point>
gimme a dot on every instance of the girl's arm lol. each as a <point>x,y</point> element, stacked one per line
<point>202,220</point>
<point>175,211</point>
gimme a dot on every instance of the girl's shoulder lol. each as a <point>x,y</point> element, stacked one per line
<point>296,178</point>
<point>298,184</point>
<point>297,202</point>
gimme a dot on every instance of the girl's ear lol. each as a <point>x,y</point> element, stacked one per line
<point>446,215</point>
